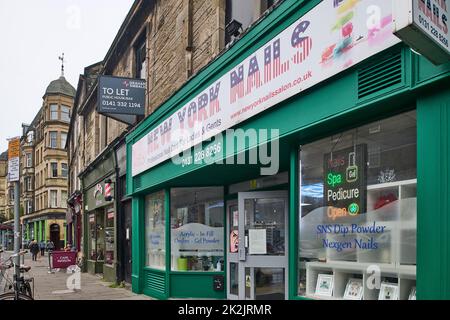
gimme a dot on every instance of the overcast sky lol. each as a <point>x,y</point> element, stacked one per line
<point>33,33</point>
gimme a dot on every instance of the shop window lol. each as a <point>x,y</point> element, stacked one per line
<point>96,241</point>
<point>155,231</point>
<point>358,213</point>
<point>245,12</point>
<point>54,112</point>
<point>109,236</point>
<point>197,229</point>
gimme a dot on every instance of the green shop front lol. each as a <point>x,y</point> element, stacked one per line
<point>99,217</point>
<point>331,184</point>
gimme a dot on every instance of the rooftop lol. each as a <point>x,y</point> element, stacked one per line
<point>61,86</point>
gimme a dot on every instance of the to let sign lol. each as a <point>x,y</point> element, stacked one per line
<point>423,25</point>
<point>121,96</point>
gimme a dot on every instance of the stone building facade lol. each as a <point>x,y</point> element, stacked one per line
<point>166,43</point>
<point>44,166</point>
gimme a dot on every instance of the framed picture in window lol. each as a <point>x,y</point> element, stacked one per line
<point>354,289</point>
<point>388,291</point>
<point>412,294</point>
<point>325,283</point>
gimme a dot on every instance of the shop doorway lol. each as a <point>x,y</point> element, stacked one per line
<point>127,242</point>
<point>55,236</point>
<point>257,253</point>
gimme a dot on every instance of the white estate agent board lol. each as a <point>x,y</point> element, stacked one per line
<point>14,160</point>
<point>423,25</point>
<point>330,38</point>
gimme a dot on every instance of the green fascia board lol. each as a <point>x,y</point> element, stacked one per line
<point>277,21</point>
<point>316,107</point>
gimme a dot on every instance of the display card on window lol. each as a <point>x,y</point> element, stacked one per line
<point>345,181</point>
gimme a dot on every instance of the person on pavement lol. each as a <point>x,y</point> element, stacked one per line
<point>50,246</point>
<point>68,248</point>
<point>34,249</point>
<point>42,247</point>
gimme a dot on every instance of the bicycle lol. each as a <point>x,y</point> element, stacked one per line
<point>21,287</point>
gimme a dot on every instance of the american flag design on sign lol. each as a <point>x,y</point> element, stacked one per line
<point>278,68</point>
<point>237,84</point>
<point>268,64</point>
<point>254,76</point>
<point>303,44</point>
<point>276,59</point>
<point>214,105</point>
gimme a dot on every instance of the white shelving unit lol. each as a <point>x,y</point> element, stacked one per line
<point>396,255</point>
<point>405,276</point>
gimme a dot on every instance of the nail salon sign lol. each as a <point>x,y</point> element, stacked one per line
<point>332,37</point>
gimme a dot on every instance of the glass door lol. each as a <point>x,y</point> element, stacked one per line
<point>258,255</point>
<point>233,250</point>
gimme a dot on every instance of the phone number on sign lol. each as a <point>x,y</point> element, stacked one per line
<point>202,155</point>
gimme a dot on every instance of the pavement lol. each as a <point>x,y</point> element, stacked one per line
<point>61,285</point>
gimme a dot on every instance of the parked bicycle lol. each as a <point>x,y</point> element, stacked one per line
<point>19,287</point>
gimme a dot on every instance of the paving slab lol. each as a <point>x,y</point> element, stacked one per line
<point>53,286</point>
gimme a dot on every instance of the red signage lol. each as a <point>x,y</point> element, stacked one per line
<point>63,260</point>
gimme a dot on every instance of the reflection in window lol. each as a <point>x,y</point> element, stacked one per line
<point>358,207</point>
<point>197,223</point>
<point>96,241</point>
<point>266,216</point>
<point>155,228</point>
<point>109,236</point>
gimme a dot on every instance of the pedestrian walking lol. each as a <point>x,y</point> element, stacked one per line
<point>50,246</point>
<point>34,249</point>
<point>42,248</point>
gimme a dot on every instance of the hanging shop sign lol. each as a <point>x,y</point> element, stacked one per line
<point>309,51</point>
<point>121,96</point>
<point>14,160</point>
<point>423,25</point>
<point>345,182</point>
